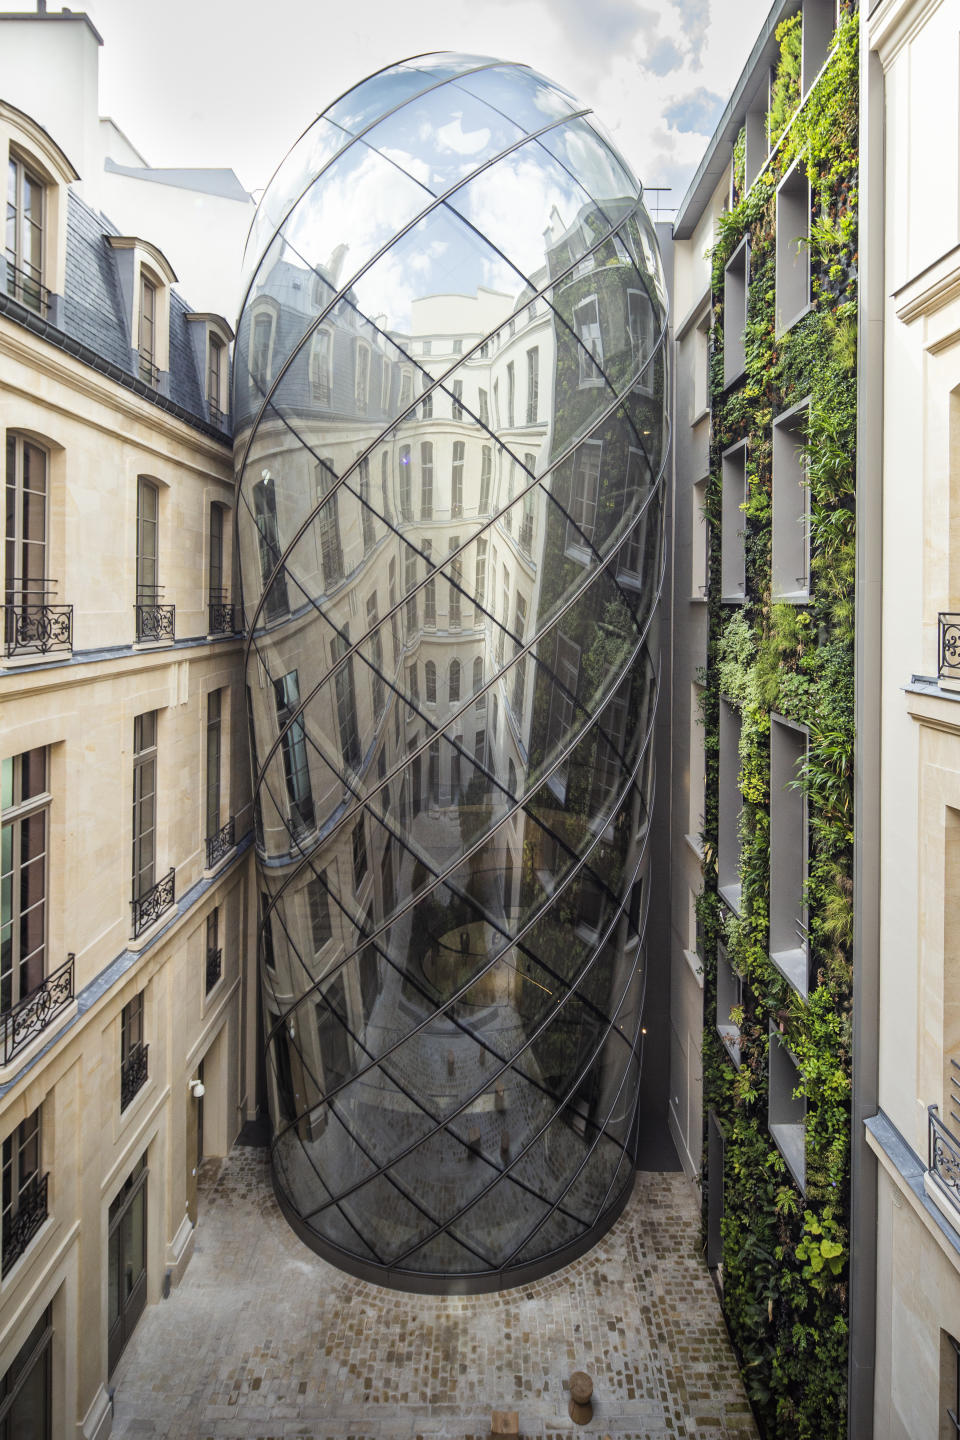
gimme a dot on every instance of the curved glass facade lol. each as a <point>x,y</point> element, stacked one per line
<point>450,404</point>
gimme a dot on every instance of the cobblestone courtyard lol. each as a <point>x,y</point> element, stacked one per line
<point>264,1341</point>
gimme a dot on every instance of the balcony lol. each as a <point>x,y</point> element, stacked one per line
<point>948,649</point>
<point>943,1161</point>
<point>20,1226</point>
<point>26,289</point>
<point>220,844</point>
<point>133,1074</point>
<point>148,907</point>
<point>33,625</point>
<point>31,1015</point>
<point>214,968</point>
<point>147,370</point>
<point>220,614</point>
<point>155,621</point>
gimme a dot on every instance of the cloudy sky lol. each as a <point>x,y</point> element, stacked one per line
<point>215,82</point>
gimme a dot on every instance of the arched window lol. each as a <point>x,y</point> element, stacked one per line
<point>430,682</point>
<point>478,683</point>
<point>453,682</point>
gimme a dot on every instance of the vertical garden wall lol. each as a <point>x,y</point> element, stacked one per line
<point>776,912</point>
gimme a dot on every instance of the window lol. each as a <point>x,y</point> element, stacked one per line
<point>700,533</point>
<point>430,682</point>
<point>507,516</point>
<point>24,1191</point>
<point>293,745</point>
<point>25,551</point>
<point>729,999</point>
<point>144,803</point>
<point>456,580</point>
<point>321,355</point>
<point>520,666</point>
<point>331,548</point>
<point>496,403</point>
<point>148,514</point>
<point>791,506</point>
<point>24,244</point>
<point>147,344</point>
<point>362,377</point>
<point>346,702</point>
<point>25,802</point>
<point>216,594</point>
<point>793,250</point>
<point>213,762</point>
<point>276,603</point>
<point>586,325</point>
<point>457,408</point>
<point>406,387</point>
<point>456,480</point>
<point>563,697</point>
<point>409,582</point>
<point>733,554</point>
<point>426,347</point>
<point>426,400</point>
<point>495,725</point>
<point>406,502</point>
<point>376,655</point>
<point>736,279</point>
<point>501,632</point>
<point>478,689</point>
<point>394,620</point>
<point>214,965</point>
<point>366,512</point>
<point>261,344</point>
<point>27,1387</point>
<point>359,854</point>
<point>483,405</point>
<point>642,327</point>
<point>583,497</point>
<point>385,486</point>
<point>788,853</point>
<point>526,518</point>
<point>430,587</point>
<point>949,1385</point>
<point>453,682</point>
<point>480,573</point>
<point>413,684</point>
<point>216,368</point>
<point>433,772</point>
<point>730,803</point>
<point>480,746</point>
<point>486,471</point>
<point>533,384</point>
<point>133,1052</point>
<point>426,480</point>
<point>511,393</point>
<point>384,384</point>
<point>787,1112</point>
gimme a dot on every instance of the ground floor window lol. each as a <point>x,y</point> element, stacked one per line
<point>127,1277</point>
<point>25,1388</point>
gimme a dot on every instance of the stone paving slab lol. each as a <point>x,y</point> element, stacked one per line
<point>263,1340</point>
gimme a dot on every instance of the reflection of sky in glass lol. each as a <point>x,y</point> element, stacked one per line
<point>521,94</point>
<point>307,158</point>
<point>441,143</point>
<point>579,149</point>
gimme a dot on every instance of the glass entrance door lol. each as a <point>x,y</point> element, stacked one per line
<point>127,1261</point>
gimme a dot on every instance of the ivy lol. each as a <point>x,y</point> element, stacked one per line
<point>785,1255</point>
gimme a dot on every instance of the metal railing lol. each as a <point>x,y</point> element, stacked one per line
<point>34,1012</point>
<point>220,614</point>
<point>148,371</point>
<point>220,844</point>
<point>948,649</point>
<point>155,620</point>
<point>149,906</point>
<point>943,1157</point>
<point>214,967</point>
<point>20,1225</point>
<point>32,623</point>
<point>217,416</point>
<point>23,287</point>
<point>133,1074</point>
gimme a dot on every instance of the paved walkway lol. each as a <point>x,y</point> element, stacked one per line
<point>264,1341</point>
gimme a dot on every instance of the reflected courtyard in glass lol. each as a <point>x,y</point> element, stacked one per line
<point>450,404</point>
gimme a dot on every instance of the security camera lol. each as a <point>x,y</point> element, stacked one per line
<point>197,1089</point>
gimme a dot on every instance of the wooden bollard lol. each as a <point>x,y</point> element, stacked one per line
<point>504,1422</point>
<point>581,1389</point>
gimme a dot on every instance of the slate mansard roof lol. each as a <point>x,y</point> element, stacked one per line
<point>94,327</point>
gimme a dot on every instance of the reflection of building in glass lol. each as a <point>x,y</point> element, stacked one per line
<point>451,434</point>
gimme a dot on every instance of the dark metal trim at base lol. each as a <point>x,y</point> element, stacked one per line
<point>475,1283</point>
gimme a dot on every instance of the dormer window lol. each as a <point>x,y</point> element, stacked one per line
<point>210,336</point>
<point>216,365</point>
<point>148,330</point>
<point>25,218</point>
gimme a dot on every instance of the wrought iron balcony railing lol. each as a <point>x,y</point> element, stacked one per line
<point>31,1015</point>
<point>33,624</point>
<point>133,1074</point>
<point>20,1225</point>
<point>943,1158</point>
<point>948,667</point>
<point>155,620</point>
<point>221,619</point>
<point>220,844</point>
<point>214,967</point>
<point>25,288</point>
<point>149,906</point>
<point>149,372</point>
<point>217,416</point>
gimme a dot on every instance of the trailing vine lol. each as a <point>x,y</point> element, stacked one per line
<point>785,1253</point>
